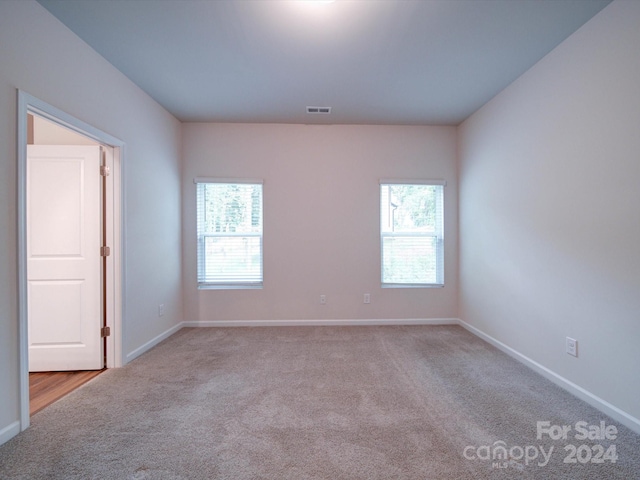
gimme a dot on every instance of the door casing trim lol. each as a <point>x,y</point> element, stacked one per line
<point>28,104</point>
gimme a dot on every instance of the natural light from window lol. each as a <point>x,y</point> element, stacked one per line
<point>411,234</point>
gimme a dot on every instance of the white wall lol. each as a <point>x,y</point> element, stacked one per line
<point>549,210</point>
<point>321,217</point>
<point>48,133</point>
<point>42,57</point>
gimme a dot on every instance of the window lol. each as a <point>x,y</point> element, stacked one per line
<point>229,233</point>
<point>411,233</point>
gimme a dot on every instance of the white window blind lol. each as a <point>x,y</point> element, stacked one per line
<point>229,233</point>
<point>412,233</point>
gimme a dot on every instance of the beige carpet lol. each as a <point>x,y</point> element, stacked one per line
<point>418,402</point>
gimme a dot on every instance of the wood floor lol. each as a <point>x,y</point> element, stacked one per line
<point>47,387</point>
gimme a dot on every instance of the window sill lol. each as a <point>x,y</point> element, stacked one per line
<point>412,285</point>
<point>208,286</point>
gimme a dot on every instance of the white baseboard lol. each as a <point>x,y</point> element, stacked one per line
<point>152,343</point>
<point>322,323</point>
<point>10,431</point>
<point>576,390</point>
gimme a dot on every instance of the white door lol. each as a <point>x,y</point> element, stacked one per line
<point>63,258</point>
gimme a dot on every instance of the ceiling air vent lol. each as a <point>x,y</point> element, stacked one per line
<point>319,110</point>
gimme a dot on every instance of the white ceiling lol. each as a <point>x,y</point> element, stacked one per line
<point>372,61</point>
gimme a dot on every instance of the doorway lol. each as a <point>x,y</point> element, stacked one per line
<point>104,305</point>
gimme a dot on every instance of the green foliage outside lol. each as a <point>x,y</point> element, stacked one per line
<point>232,208</point>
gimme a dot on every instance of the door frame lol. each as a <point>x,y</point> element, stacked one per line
<point>28,104</point>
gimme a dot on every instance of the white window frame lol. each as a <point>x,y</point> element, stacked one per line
<point>229,284</point>
<point>438,234</point>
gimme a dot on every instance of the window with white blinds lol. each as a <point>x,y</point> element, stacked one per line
<point>229,233</point>
<point>412,233</point>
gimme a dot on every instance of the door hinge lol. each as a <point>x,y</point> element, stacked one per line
<point>105,251</point>
<point>105,332</point>
<point>105,170</point>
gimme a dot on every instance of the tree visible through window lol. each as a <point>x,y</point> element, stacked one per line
<point>411,231</point>
<point>229,234</point>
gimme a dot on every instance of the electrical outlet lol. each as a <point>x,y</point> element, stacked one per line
<point>572,346</point>
<point>323,299</point>
<point>367,298</point>
<point>161,310</point>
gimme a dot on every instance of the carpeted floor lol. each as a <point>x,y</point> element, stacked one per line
<point>396,402</point>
